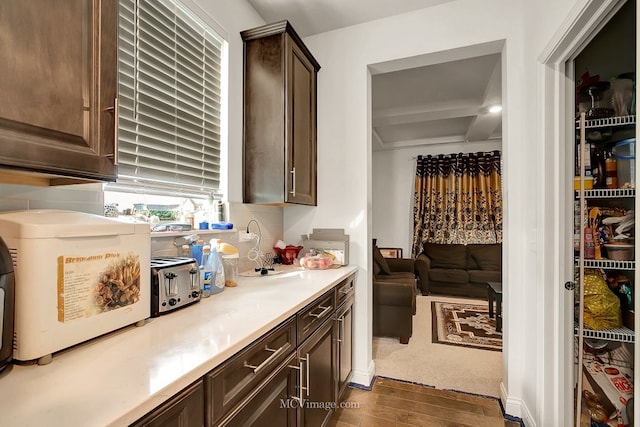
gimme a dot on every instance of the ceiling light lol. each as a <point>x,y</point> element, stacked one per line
<point>495,108</point>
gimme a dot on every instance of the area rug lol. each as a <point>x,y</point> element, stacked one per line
<point>466,325</point>
<point>445,367</point>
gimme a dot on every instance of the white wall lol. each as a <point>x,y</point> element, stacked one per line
<point>78,197</point>
<point>344,141</point>
<point>393,178</point>
<point>345,166</point>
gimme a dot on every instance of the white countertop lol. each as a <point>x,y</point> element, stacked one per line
<point>115,379</point>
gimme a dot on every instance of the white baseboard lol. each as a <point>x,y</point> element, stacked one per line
<point>516,408</point>
<point>364,378</point>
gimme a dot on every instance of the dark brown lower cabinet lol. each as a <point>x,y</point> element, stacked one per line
<point>315,357</point>
<point>229,385</point>
<point>291,376</point>
<point>270,403</point>
<point>185,409</point>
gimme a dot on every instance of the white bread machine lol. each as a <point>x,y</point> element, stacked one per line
<point>77,276</point>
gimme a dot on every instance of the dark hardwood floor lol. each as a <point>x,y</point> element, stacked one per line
<point>397,403</point>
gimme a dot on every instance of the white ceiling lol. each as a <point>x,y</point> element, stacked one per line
<point>442,102</point>
<point>310,17</point>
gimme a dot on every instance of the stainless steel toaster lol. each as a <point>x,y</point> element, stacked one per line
<point>175,283</point>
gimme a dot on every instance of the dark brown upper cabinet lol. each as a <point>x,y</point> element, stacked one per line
<point>279,151</point>
<point>58,62</point>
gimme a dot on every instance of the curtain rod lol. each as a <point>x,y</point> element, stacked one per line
<point>420,156</point>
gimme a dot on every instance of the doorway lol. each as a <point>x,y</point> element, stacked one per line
<point>557,68</point>
<point>420,106</point>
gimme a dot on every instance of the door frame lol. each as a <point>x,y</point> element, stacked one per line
<point>555,68</point>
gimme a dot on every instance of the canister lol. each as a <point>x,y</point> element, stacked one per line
<point>230,264</point>
<point>625,154</point>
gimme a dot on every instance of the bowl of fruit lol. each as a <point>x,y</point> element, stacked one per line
<point>316,261</point>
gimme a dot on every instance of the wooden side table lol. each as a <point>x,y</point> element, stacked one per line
<point>494,294</point>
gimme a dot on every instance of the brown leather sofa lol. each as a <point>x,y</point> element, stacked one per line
<point>461,270</point>
<point>394,296</point>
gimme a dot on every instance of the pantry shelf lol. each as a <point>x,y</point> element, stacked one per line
<point>617,334</point>
<point>606,193</point>
<point>608,264</point>
<point>609,121</point>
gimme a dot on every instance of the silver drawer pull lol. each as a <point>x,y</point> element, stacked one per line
<point>308,387</point>
<point>268,360</point>
<point>341,335</point>
<point>324,311</point>
<point>345,291</point>
<point>114,110</point>
<point>300,397</point>
<point>293,182</point>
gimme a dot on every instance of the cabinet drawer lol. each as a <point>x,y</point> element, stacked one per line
<point>185,409</point>
<point>235,379</point>
<point>345,290</point>
<point>313,315</point>
<point>270,403</point>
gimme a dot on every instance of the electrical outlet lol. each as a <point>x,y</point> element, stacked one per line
<point>247,237</point>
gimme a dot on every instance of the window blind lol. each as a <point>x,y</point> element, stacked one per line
<point>169,101</point>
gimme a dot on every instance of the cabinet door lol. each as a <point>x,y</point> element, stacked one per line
<point>316,362</point>
<point>58,62</point>
<point>301,127</point>
<point>270,404</point>
<point>343,343</point>
<point>186,409</point>
<point>263,153</point>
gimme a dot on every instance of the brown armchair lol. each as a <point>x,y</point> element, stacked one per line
<point>394,296</point>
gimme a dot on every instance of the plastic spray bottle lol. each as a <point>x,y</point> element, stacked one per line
<point>217,282</point>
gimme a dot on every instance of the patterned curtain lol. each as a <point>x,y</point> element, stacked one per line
<point>458,199</point>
